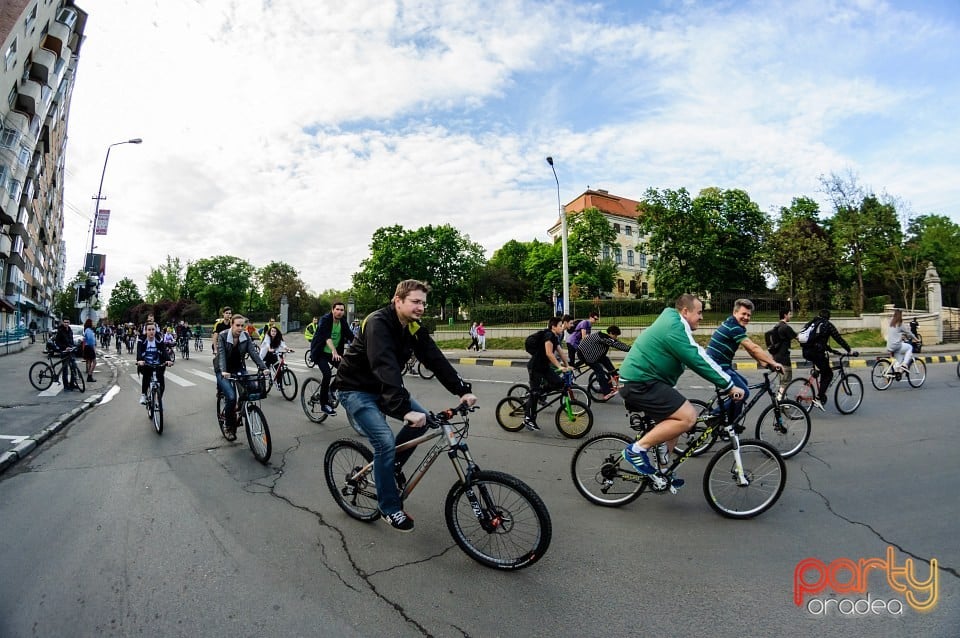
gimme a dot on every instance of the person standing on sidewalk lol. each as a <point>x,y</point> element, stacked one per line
<point>481,337</point>
<point>89,348</point>
<point>65,344</point>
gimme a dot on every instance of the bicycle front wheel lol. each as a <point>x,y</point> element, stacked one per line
<point>288,384</point>
<point>600,473</point>
<point>785,426</point>
<point>352,489</point>
<point>510,413</point>
<point>157,410</point>
<point>307,359</point>
<point>765,476</point>
<point>78,381</point>
<point>498,520</point>
<point>579,393</point>
<point>693,435</point>
<point>849,393</point>
<point>803,391</point>
<point>917,373</point>
<point>310,401</point>
<point>881,376</point>
<point>519,390</point>
<point>424,372</point>
<point>574,419</point>
<point>258,434</point>
<point>41,375</point>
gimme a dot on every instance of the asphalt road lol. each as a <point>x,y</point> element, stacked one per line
<point>109,529</point>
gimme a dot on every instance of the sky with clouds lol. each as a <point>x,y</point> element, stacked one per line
<point>290,130</point>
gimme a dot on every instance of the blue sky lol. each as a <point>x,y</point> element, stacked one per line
<point>291,130</point>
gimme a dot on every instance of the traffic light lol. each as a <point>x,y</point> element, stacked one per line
<point>93,288</point>
<point>86,290</point>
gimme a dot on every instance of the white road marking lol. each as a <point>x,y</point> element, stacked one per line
<point>169,376</point>
<point>203,375</point>
<point>112,392</point>
<point>14,440</point>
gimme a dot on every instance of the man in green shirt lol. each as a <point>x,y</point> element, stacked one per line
<point>332,336</point>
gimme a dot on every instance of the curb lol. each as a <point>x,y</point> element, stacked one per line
<point>9,458</point>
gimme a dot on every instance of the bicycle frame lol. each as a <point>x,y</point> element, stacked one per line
<point>814,375</point>
<point>563,394</point>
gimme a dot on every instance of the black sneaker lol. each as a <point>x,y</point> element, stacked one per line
<point>328,410</point>
<point>399,521</point>
<point>530,424</point>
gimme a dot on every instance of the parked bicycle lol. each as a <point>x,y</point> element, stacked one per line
<point>784,423</point>
<point>496,519</point>
<point>283,377</point>
<point>573,417</point>
<point>884,373</point>
<point>848,392</point>
<point>250,389</point>
<point>745,478</point>
<point>42,374</point>
<point>154,402</point>
<point>310,397</point>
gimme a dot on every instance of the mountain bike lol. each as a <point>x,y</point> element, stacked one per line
<point>42,374</point>
<point>154,403</point>
<point>198,342</point>
<point>283,377</point>
<point>496,519</point>
<point>414,367</point>
<point>883,373</point>
<point>185,348</point>
<point>573,417</point>
<point>250,389</point>
<point>310,397</point>
<point>577,391</point>
<point>848,394</point>
<point>745,478</point>
<point>784,423</point>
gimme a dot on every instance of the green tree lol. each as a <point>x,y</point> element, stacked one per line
<point>165,281</point>
<point>220,281</point>
<point>277,279</point>
<point>588,233</point>
<point>543,266</point>
<point>801,256</point>
<point>936,239</point>
<point>124,296</point>
<point>437,255</point>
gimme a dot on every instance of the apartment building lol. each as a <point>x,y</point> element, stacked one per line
<point>41,46</point>
<point>629,253</point>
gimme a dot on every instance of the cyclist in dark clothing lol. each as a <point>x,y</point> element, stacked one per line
<point>332,336</point>
<point>65,344</point>
<point>815,351</point>
<point>542,370</point>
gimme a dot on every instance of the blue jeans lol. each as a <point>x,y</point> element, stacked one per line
<point>740,382</point>
<point>365,417</point>
<point>230,399</point>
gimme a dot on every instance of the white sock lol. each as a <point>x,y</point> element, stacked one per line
<point>636,448</point>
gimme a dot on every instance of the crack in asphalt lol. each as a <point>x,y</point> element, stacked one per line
<point>270,482</point>
<point>950,570</point>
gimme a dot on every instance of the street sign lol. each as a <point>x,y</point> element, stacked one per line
<point>100,225</point>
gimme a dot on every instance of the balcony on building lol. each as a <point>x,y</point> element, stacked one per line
<point>16,255</point>
<point>43,65</point>
<point>29,97</point>
<point>6,245</point>
<point>58,39</point>
<point>19,225</point>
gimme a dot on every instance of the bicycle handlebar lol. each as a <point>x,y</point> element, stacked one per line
<point>434,419</point>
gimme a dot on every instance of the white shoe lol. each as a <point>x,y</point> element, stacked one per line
<point>143,399</point>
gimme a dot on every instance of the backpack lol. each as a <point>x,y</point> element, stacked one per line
<point>534,343</point>
<point>810,332</point>
<point>772,338</point>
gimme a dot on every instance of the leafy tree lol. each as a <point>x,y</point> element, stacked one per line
<point>165,281</point>
<point>277,279</point>
<point>936,238</point>
<point>800,254</point>
<point>543,267</point>
<point>124,296</point>
<point>588,233</point>
<point>438,255</point>
<point>220,281</point>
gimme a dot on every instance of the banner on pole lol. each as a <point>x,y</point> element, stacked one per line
<point>100,226</point>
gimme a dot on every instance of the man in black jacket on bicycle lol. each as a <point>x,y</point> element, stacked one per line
<point>370,387</point>
<point>332,336</point>
<point>815,351</point>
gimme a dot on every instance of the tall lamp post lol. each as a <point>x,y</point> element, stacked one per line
<point>96,207</point>
<point>563,242</point>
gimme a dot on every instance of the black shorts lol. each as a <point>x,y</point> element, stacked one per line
<point>655,398</point>
<point>89,353</point>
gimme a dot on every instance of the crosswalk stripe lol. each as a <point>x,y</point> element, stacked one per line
<point>169,376</point>
<point>202,374</point>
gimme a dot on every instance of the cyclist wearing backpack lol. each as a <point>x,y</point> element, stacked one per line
<point>543,346</point>
<point>816,346</point>
<point>778,343</point>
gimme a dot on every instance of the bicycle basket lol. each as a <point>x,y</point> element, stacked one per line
<point>253,387</point>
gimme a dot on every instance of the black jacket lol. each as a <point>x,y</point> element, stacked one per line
<point>374,361</point>
<point>818,345</point>
<point>324,330</point>
<point>162,350</point>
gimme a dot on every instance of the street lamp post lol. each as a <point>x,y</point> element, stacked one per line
<point>563,242</point>
<point>96,207</point>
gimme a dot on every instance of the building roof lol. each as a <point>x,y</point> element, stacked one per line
<point>605,202</point>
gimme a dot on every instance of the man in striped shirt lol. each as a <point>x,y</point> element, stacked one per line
<point>593,351</point>
<point>729,336</point>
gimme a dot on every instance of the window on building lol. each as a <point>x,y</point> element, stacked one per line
<point>627,231</point>
<point>9,138</point>
<point>616,228</point>
<point>12,96</point>
<point>629,257</point>
<point>606,252</point>
<point>620,286</point>
<point>10,57</point>
<point>31,18</point>
<point>644,289</point>
<point>618,255</point>
<point>633,286</point>
<point>643,260</point>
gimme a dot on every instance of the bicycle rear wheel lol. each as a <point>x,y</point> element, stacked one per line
<point>510,413</point>
<point>157,404</point>
<point>600,473</point>
<point>803,392</point>
<point>764,471</point>
<point>288,384</point>
<point>510,530</point>
<point>222,413</point>
<point>78,381</point>
<point>310,400</point>
<point>519,390</point>
<point>692,435</point>
<point>307,359</point>
<point>881,376</point>
<point>849,394</point>
<point>787,429</point>
<point>424,372</point>
<point>917,373</point>
<point>574,419</point>
<point>41,375</point>
<point>353,491</point>
<point>258,434</point>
